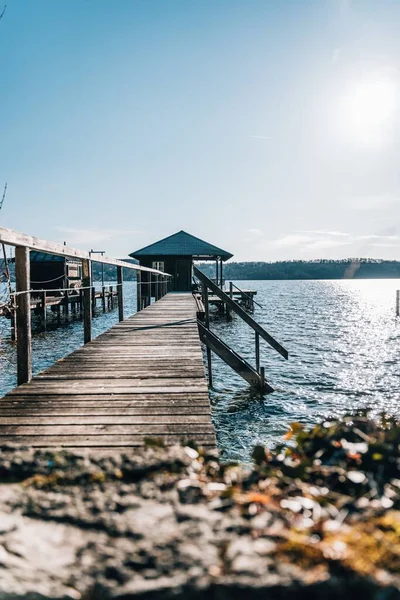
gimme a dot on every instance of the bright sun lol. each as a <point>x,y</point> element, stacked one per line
<point>368,109</point>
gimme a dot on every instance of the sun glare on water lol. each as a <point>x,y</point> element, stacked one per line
<point>368,109</point>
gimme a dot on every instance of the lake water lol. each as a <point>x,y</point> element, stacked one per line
<point>343,340</point>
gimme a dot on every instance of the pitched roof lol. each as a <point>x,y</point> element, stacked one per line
<point>182,244</point>
<point>36,256</point>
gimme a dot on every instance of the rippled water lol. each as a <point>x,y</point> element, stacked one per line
<point>344,345</point>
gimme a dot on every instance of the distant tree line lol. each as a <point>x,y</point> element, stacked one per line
<point>351,268</point>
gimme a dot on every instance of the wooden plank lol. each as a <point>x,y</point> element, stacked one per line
<point>140,379</point>
<point>105,441</point>
<point>43,411</point>
<point>110,430</point>
<point>73,421</point>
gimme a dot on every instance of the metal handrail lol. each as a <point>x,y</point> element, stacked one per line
<point>242,313</point>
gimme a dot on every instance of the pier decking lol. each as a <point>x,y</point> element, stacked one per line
<point>143,378</point>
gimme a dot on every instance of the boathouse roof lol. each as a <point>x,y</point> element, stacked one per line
<point>44,257</point>
<point>183,244</point>
<point>36,256</point>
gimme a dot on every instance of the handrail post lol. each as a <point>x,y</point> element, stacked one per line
<point>156,288</point>
<point>23,315</point>
<point>87,301</point>
<point>93,290</point>
<point>262,378</point>
<point>231,290</point>
<point>257,352</point>
<point>111,297</point>
<point>66,304</point>
<point>44,312</point>
<point>150,288</point>
<point>207,324</point>
<point>120,292</point>
<point>138,291</point>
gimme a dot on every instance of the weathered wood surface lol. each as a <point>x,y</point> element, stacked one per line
<point>144,378</point>
<point>16,238</point>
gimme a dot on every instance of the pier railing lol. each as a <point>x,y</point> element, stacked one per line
<point>215,344</point>
<point>23,243</point>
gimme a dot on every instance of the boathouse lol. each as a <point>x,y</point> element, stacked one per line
<point>176,253</point>
<point>49,271</point>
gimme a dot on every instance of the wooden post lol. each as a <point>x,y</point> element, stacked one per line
<point>81,300</point>
<point>111,297</point>
<point>103,298</point>
<point>397,303</point>
<point>207,324</point>
<point>87,301</point>
<point>120,292</point>
<point>23,315</point>
<point>93,290</point>
<point>220,274</point>
<point>231,290</point>
<point>138,291</point>
<point>257,352</point>
<point>44,312</point>
<point>157,292</point>
<point>14,319</point>
<point>150,289</point>
<point>262,373</point>
<point>66,305</point>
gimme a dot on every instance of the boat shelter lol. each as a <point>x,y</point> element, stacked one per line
<point>176,253</point>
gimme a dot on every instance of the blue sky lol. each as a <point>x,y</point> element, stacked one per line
<point>270,128</point>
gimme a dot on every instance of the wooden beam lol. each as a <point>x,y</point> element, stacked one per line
<point>242,313</point>
<point>15,238</point>
<point>120,292</point>
<point>23,315</point>
<point>87,301</point>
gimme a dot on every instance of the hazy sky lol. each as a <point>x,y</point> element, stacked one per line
<point>270,128</point>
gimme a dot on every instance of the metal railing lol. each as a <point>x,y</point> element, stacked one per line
<point>207,284</point>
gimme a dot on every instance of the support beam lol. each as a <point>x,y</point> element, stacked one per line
<point>120,292</point>
<point>44,311</point>
<point>157,291</point>
<point>87,301</point>
<point>257,351</point>
<point>207,324</point>
<point>66,304</point>
<point>138,291</point>
<point>23,315</point>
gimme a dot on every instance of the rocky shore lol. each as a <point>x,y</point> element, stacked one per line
<point>318,518</point>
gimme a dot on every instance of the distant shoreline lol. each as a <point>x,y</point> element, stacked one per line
<point>362,268</point>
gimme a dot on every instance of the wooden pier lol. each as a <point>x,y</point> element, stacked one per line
<point>143,378</point>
